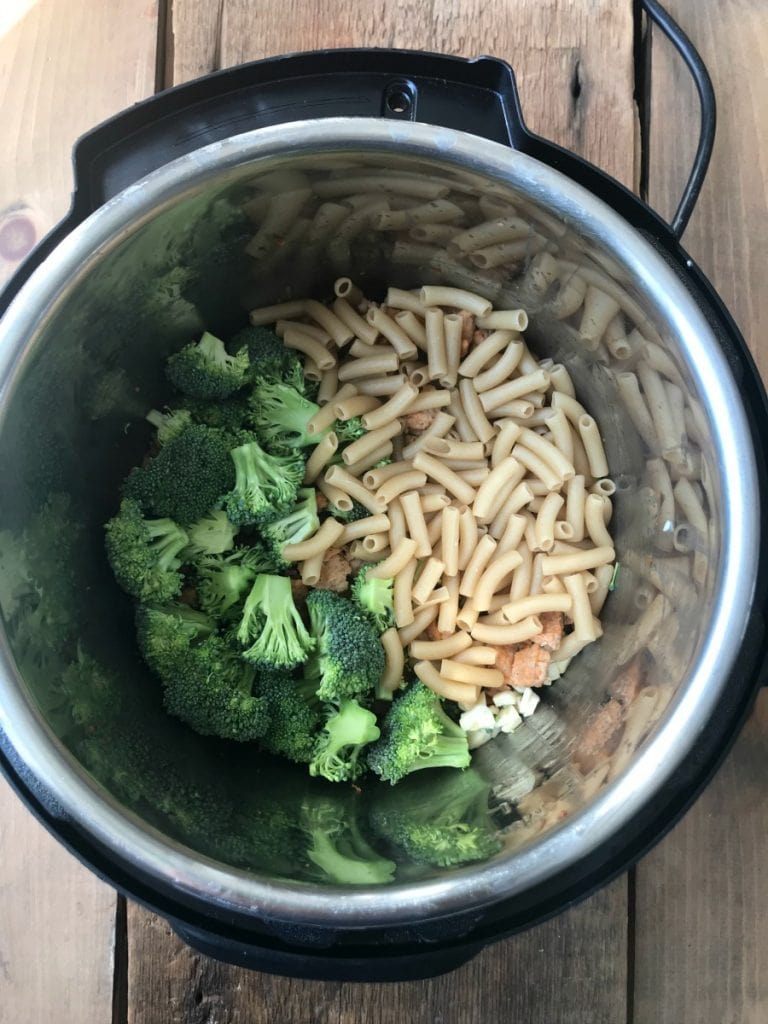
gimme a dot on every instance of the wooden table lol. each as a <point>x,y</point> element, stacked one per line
<point>682,938</point>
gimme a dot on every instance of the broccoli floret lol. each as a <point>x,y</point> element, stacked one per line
<point>205,683</point>
<point>170,423</point>
<point>205,369</point>
<point>440,819</point>
<point>145,554</point>
<point>350,660</point>
<point>212,535</point>
<point>338,748</point>
<point>357,511</point>
<point>230,414</point>
<point>301,522</point>
<point>349,430</point>
<point>337,846</point>
<point>187,478</point>
<point>271,629</point>
<point>417,733</point>
<point>166,632</point>
<point>269,357</point>
<point>265,485</point>
<point>295,716</point>
<point>376,597</point>
<point>222,581</point>
<point>280,414</point>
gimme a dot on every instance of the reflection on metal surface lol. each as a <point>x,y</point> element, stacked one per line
<point>281,213</point>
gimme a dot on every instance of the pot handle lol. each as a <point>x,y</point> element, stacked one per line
<point>328,964</point>
<point>708,111</point>
<point>477,96</point>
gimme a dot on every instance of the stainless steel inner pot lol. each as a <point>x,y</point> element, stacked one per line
<point>81,356</point>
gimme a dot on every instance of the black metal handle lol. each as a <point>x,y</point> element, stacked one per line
<point>333,964</point>
<point>698,69</point>
<point>477,96</point>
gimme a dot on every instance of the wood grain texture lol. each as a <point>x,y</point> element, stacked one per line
<point>701,953</point>
<point>59,75</point>
<point>56,928</point>
<point>568,971</point>
<point>63,68</point>
<point>701,900</point>
<point>573,59</point>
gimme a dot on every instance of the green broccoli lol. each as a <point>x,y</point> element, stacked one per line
<point>205,369</point>
<point>205,683</point>
<point>357,511</point>
<point>269,357</point>
<point>187,478</point>
<point>166,632</point>
<point>265,485</point>
<point>376,597</point>
<point>271,629</point>
<point>440,819</point>
<point>170,423</point>
<point>222,581</point>
<point>230,414</point>
<point>145,554</point>
<point>295,716</point>
<point>337,845</point>
<point>349,430</point>
<point>416,734</point>
<point>349,661</point>
<point>338,748</point>
<point>280,414</point>
<point>301,522</point>
<point>212,535</point>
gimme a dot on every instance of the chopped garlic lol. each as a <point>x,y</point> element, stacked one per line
<point>505,698</point>
<point>478,717</point>
<point>528,702</point>
<point>508,719</point>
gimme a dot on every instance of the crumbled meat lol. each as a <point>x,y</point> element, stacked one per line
<point>299,590</point>
<point>551,635</point>
<point>523,664</point>
<point>479,336</point>
<point>417,422</point>
<point>335,570</point>
<point>467,330</point>
<point>322,501</point>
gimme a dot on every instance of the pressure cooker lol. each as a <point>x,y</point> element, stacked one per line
<point>166,199</point>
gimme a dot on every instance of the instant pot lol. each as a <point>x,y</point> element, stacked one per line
<point>213,198</point>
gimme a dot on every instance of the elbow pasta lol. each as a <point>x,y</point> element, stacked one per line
<point>487,518</point>
<point>521,476</point>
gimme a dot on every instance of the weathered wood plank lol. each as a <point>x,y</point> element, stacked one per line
<point>573,60</point>
<point>567,971</point>
<point>701,902</point>
<point>728,233</point>
<point>63,68</point>
<point>56,928</point>
<point>572,93</point>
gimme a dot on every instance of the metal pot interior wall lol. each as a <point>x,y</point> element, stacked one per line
<point>75,426</point>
